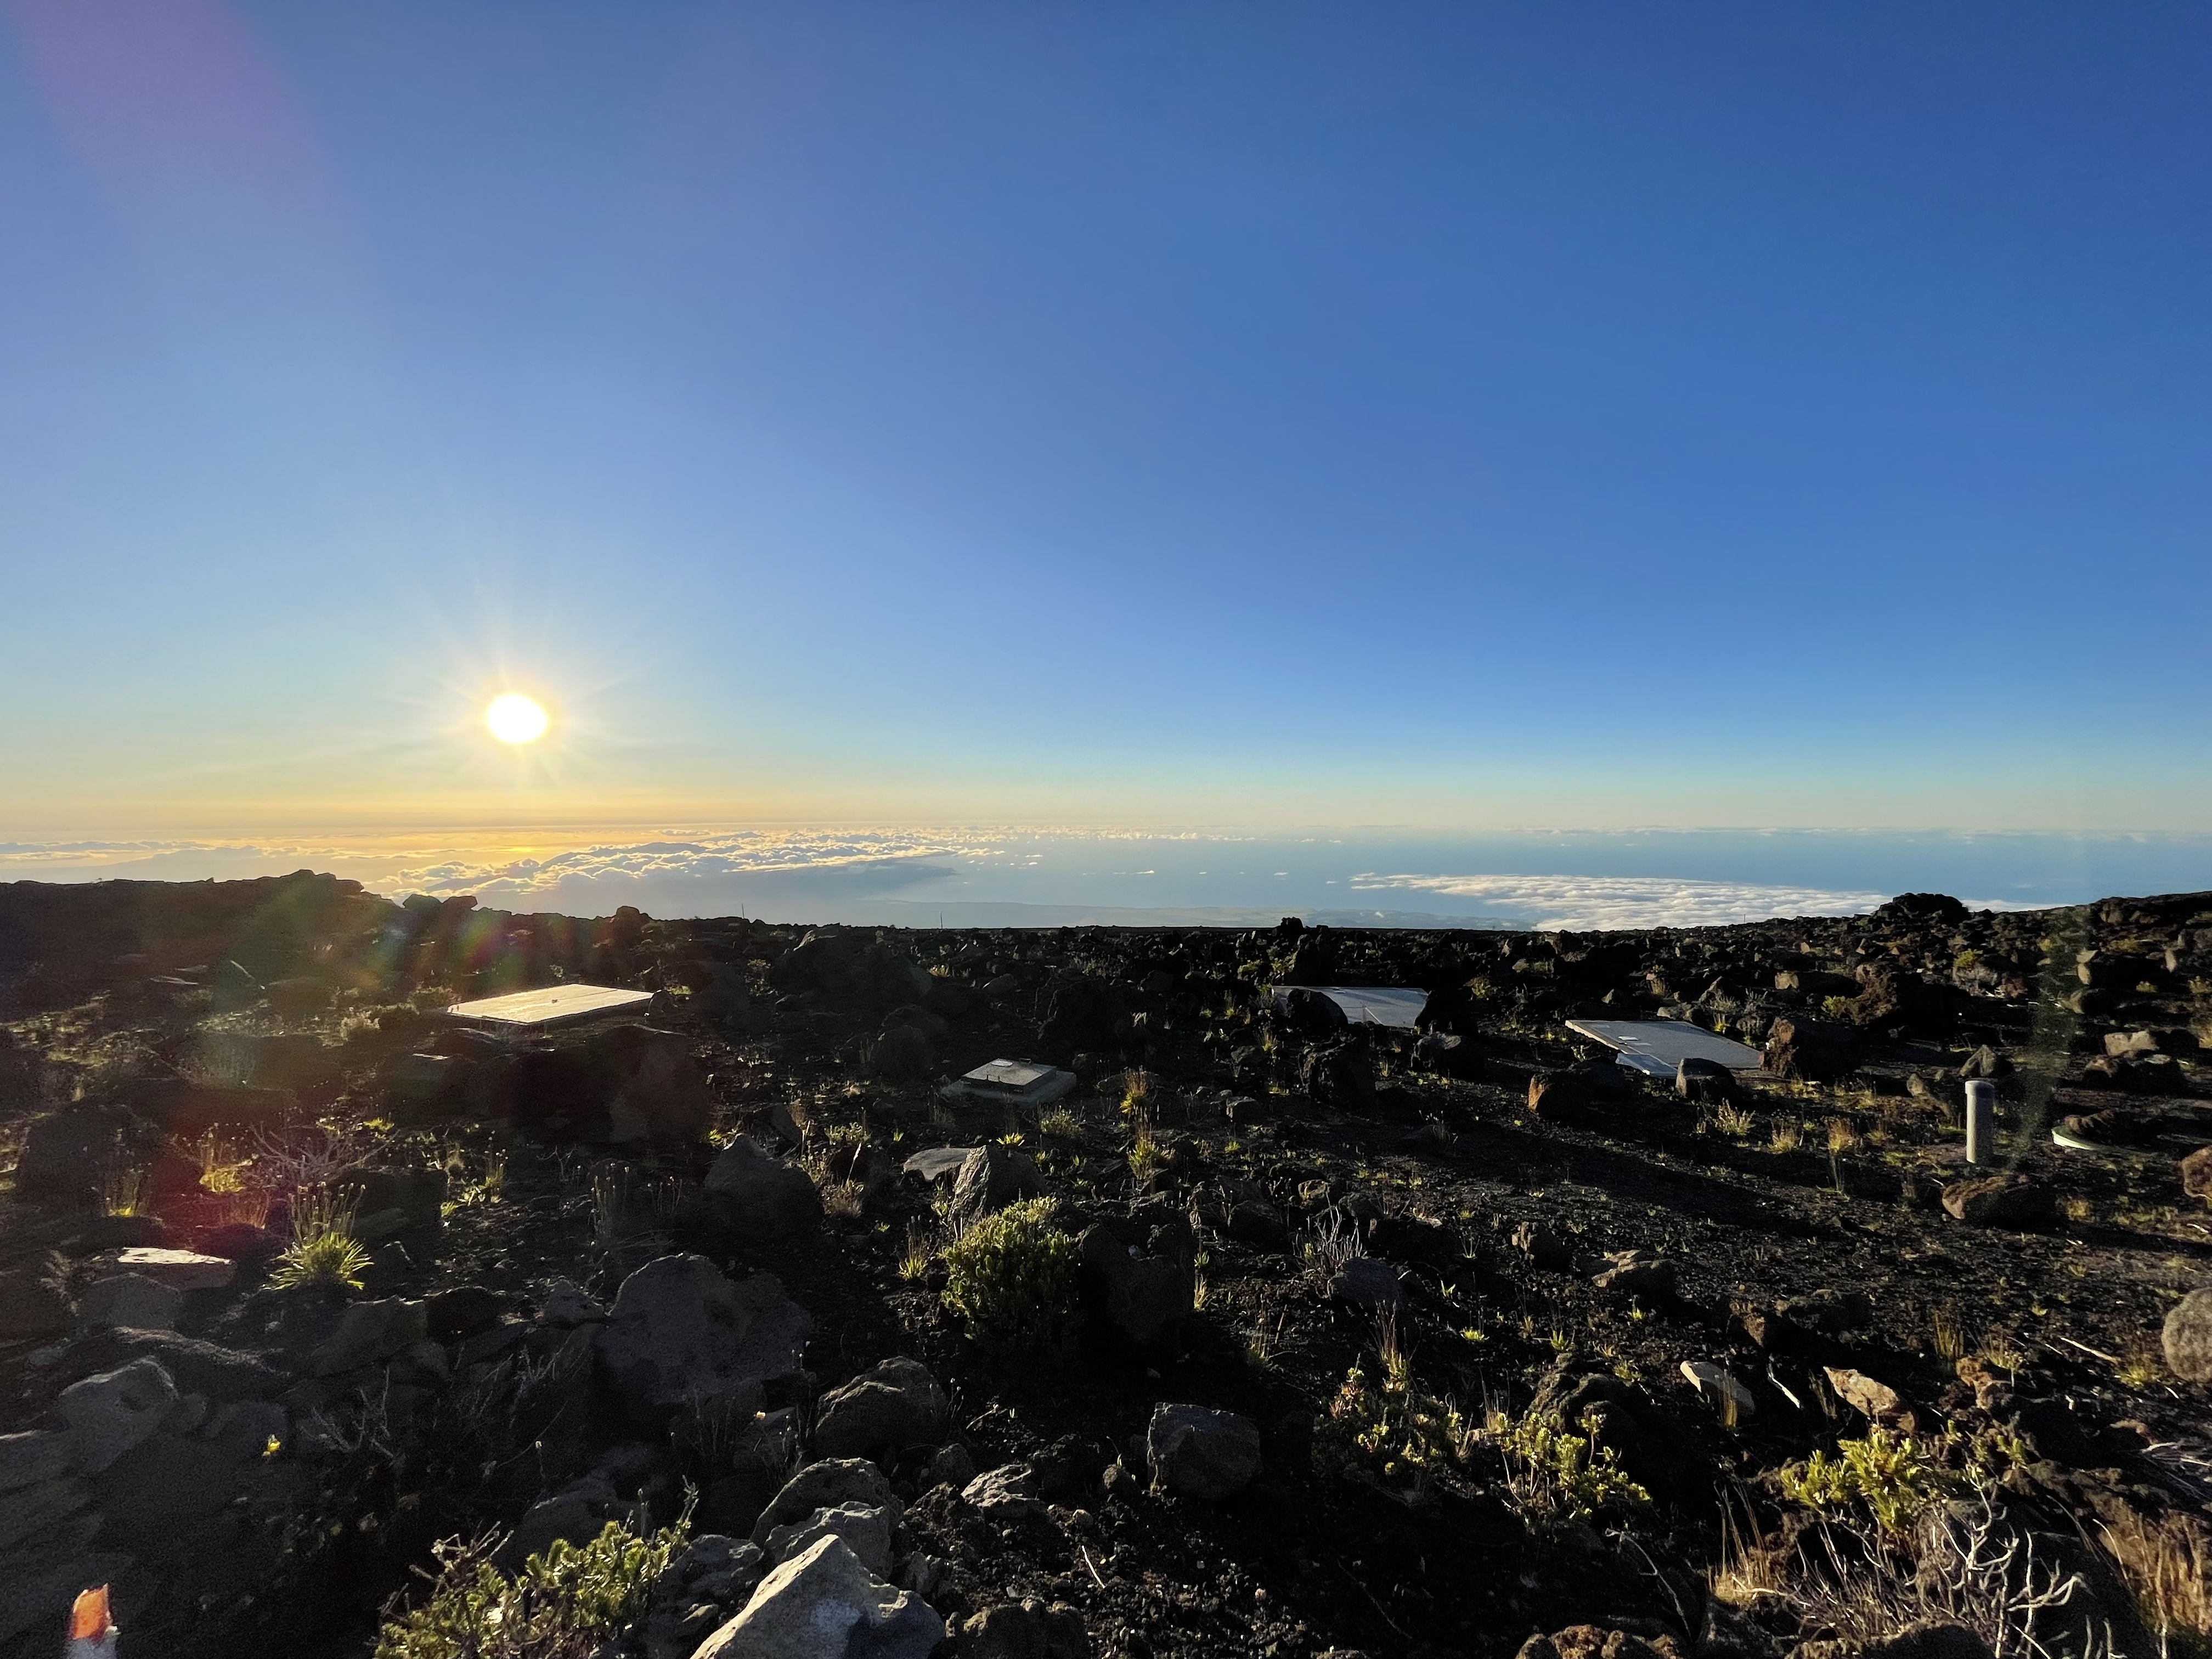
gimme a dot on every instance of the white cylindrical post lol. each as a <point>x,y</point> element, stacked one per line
<point>1981,1121</point>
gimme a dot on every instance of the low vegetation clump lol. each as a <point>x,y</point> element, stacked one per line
<point>1388,1425</point>
<point>323,1251</point>
<point>1556,1477</point>
<point>1011,1277</point>
<point>569,1603</point>
<point>1895,1477</point>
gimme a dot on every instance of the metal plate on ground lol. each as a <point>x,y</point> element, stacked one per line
<point>551,1005</point>
<point>1019,1082</point>
<point>1366,1005</point>
<point>1658,1046</point>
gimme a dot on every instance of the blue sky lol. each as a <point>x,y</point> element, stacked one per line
<point>1455,416</point>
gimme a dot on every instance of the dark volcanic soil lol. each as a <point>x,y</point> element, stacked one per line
<point>175,1062</point>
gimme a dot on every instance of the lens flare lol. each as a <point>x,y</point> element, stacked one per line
<point>513,718</point>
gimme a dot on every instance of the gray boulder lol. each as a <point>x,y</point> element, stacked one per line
<point>1203,1453</point>
<point>1005,1493</point>
<point>132,1300</point>
<point>826,1485</point>
<point>1637,1273</point>
<point>825,1604</point>
<point>1029,1630</point>
<point>35,1455</point>
<point>992,1177</point>
<point>867,1531</point>
<point>681,1330</point>
<point>31,1306</point>
<point>709,1580</point>
<point>756,1198</point>
<point>2187,1338</point>
<point>894,1405</point>
<point>109,1413</point>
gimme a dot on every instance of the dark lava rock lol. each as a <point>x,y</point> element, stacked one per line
<point>894,1405</point>
<point>2187,1337</point>
<point>2001,1201</point>
<point>1140,1297</point>
<point>1202,1454</point>
<point>1029,1631</point>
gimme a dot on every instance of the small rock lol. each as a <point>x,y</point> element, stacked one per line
<point>1365,1282</point>
<point>464,1308</point>
<point>132,1300</point>
<point>825,1604</point>
<point>1637,1273</point>
<point>756,1198</point>
<point>1544,1247</point>
<point>924,1574</point>
<point>1931,1639</point>
<point>2187,1337</point>
<point>1720,1388</point>
<point>369,1332</point>
<point>31,1306</point>
<point>109,1413</point>
<point>1876,1401</point>
<point>682,1331</point>
<point>2001,1201</point>
<point>895,1406</point>
<point>992,1177</point>
<point>1029,1631</point>
<point>1204,1454</point>
<point>1005,1493</point>
<point>567,1303</point>
<point>937,1162</point>
<point>180,1270</point>
<point>1706,1081</point>
<point>867,1531</point>
<point>2197,1173</point>
<point>1142,1298</point>
<point>35,1455</point>
<point>952,1465</point>
<point>826,1485</point>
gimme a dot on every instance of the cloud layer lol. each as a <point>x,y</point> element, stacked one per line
<point>1589,903</point>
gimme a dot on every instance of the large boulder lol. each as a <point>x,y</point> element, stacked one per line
<point>666,1099</point>
<point>756,1198</point>
<point>1200,1453</point>
<point>825,1604</point>
<point>894,1405</point>
<point>681,1330</point>
<point>865,1529</point>
<point>1340,1076</point>
<point>132,1300</point>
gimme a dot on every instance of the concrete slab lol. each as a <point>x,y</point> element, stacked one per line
<point>551,1005</point>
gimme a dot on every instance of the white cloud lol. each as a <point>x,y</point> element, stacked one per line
<point>1589,903</point>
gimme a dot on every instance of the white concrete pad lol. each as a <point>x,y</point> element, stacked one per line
<point>551,1005</point>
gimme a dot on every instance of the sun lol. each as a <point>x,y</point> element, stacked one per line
<point>513,718</point>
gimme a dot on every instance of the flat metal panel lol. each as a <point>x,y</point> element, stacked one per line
<point>1658,1046</point>
<point>1398,1006</point>
<point>550,1004</point>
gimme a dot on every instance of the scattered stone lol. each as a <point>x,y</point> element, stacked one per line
<point>109,1413</point>
<point>1366,1282</point>
<point>1720,1388</point>
<point>132,1300</point>
<point>895,1406</point>
<point>181,1270</point>
<point>938,1163</point>
<point>826,1485</point>
<point>2197,1174</point>
<point>2014,1201</point>
<point>825,1604</point>
<point>1005,1493</point>
<point>369,1332</point>
<point>1029,1631</point>
<point>2187,1337</point>
<point>756,1198</point>
<point>1203,1453</point>
<point>1705,1081</point>
<point>1544,1247</point>
<point>865,1529</point>
<point>711,1578</point>
<point>681,1331</point>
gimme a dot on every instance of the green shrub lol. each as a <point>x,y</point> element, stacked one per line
<point>1012,1276</point>
<point>568,1603</point>
<point>1555,1477</point>
<point>1895,1477</point>
<point>323,1251</point>
<point>1403,1432</point>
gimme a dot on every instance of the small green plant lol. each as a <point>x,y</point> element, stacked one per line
<point>1894,1476</point>
<point>1555,1477</point>
<point>1788,1137</point>
<point>1136,1094</point>
<point>222,1169</point>
<point>323,1251</point>
<point>1949,1342</point>
<point>125,1191</point>
<point>570,1602</point>
<point>1059,1124</point>
<point>1389,1426</point>
<point>1733,1120</point>
<point>1147,1158</point>
<point>914,1262</point>
<point>1836,1007</point>
<point>1011,1277</point>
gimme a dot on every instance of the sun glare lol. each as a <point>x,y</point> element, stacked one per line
<point>513,718</point>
